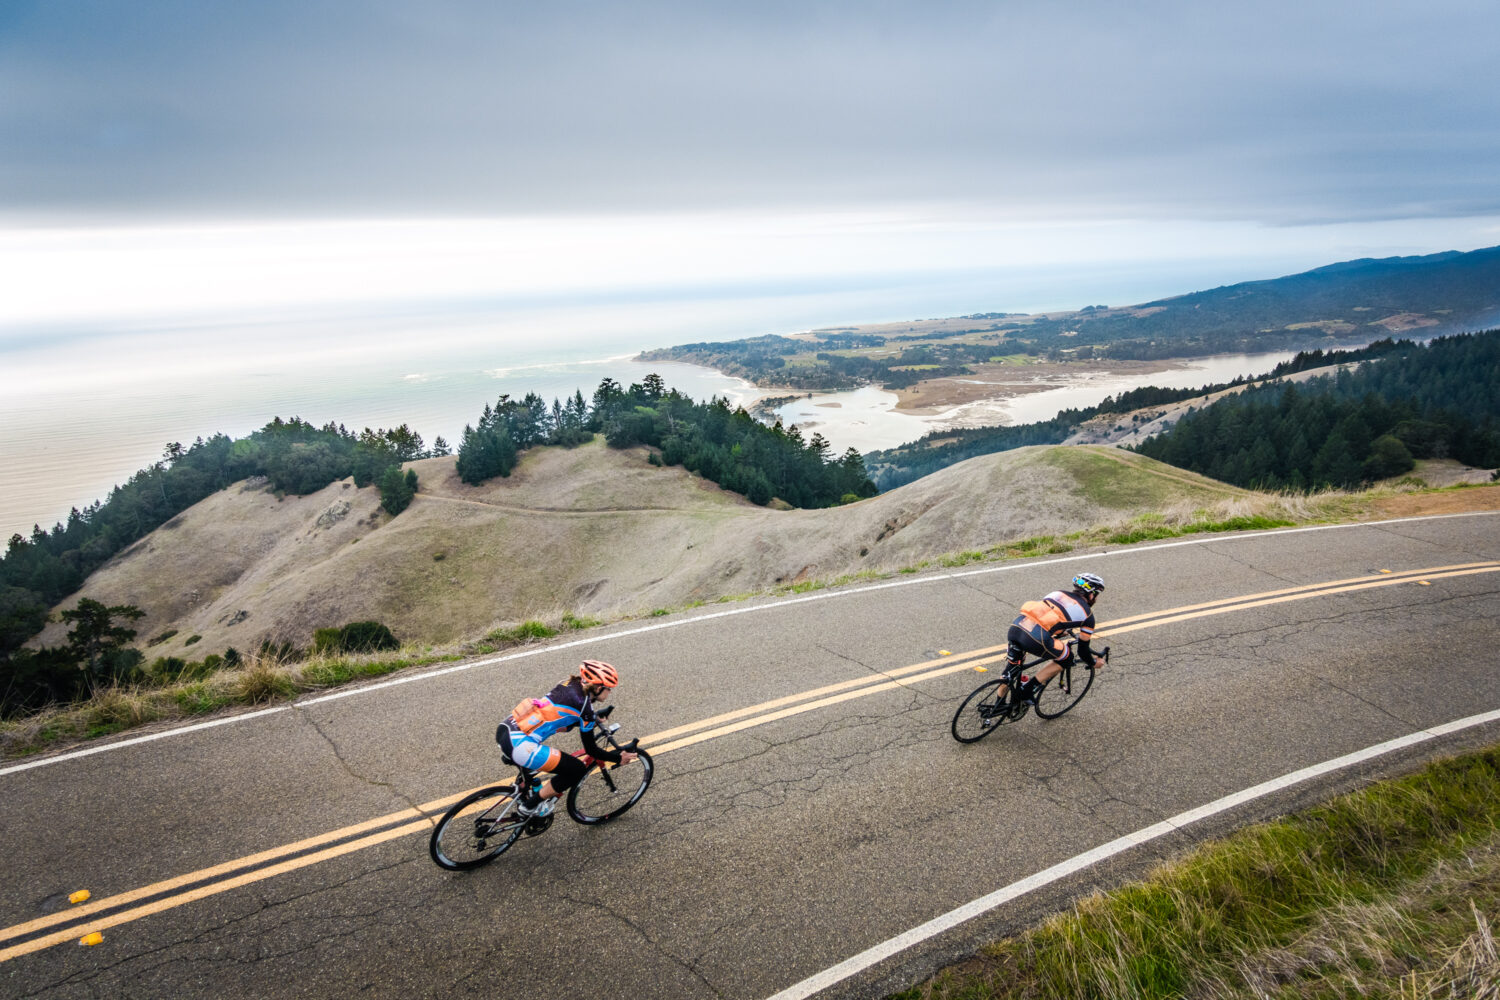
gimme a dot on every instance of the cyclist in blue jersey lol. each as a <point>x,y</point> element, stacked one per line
<point>523,734</point>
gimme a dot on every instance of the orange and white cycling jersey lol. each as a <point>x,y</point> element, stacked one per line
<point>1060,611</point>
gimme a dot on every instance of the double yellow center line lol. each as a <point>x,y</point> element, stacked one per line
<point>124,907</point>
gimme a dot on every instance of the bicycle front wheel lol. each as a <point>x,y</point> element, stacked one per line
<point>606,792</point>
<point>477,830</point>
<point>981,713</point>
<point>1064,691</point>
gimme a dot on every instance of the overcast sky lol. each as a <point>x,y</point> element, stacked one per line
<point>1367,116</point>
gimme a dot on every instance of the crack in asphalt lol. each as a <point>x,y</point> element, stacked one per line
<point>348,769</point>
<point>1439,546</point>
<point>1367,702</point>
<point>1248,564</point>
<point>687,966</point>
<point>1061,789</point>
<point>88,977</point>
<point>876,671</point>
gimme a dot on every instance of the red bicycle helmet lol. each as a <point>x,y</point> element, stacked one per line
<point>599,673</point>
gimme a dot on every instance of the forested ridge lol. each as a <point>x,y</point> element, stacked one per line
<point>724,445</point>
<point>37,572</point>
<point>1440,400</point>
<point>727,446</point>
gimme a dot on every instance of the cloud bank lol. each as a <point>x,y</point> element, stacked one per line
<point>1281,113</point>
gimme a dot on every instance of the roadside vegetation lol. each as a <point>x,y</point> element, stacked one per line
<point>1389,892</point>
<point>173,690</point>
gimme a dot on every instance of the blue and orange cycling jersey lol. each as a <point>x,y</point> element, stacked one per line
<point>565,707</point>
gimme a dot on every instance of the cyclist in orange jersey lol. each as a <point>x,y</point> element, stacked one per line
<point>1038,630</point>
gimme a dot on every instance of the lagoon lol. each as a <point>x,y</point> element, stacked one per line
<point>867,419</point>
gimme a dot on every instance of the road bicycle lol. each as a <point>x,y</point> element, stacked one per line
<point>484,824</point>
<point>986,710</point>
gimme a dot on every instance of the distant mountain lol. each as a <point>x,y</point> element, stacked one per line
<point>1351,303</point>
<point>1358,300</point>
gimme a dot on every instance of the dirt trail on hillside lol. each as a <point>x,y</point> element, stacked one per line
<point>1474,498</point>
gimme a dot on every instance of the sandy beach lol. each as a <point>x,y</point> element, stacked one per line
<point>1002,381</point>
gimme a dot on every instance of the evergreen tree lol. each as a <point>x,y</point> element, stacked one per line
<point>97,643</point>
<point>397,489</point>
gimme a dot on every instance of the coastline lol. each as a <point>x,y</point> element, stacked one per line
<point>874,419</point>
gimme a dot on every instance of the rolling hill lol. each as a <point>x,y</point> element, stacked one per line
<point>592,531</point>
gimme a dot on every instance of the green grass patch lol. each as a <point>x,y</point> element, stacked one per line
<point>330,673</point>
<point>200,699</point>
<point>1151,526</point>
<point>1374,894</point>
<point>1039,545</point>
<point>263,682</point>
<point>1105,482</point>
<point>1255,522</point>
<point>572,621</point>
<point>523,632</point>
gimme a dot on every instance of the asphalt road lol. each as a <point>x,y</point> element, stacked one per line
<point>762,855</point>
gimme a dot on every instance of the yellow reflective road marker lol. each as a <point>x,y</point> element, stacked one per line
<point>944,652</point>
<point>91,939</point>
<point>81,896</point>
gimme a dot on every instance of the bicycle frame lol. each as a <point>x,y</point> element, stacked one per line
<point>526,779</point>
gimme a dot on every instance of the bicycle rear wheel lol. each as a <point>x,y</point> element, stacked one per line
<point>606,792</point>
<point>981,713</point>
<point>1064,691</point>
<point>477,830</point>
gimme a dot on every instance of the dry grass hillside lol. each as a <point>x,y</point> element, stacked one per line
<point>590,531</point>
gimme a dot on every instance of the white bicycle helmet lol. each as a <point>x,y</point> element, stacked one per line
<point>1089,584</point>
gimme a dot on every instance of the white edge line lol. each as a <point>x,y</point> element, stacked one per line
<point>886,949</point>
<point>143,739</point>
<point>770,605</point>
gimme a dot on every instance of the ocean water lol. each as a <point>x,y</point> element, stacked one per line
<point>84,406</point>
